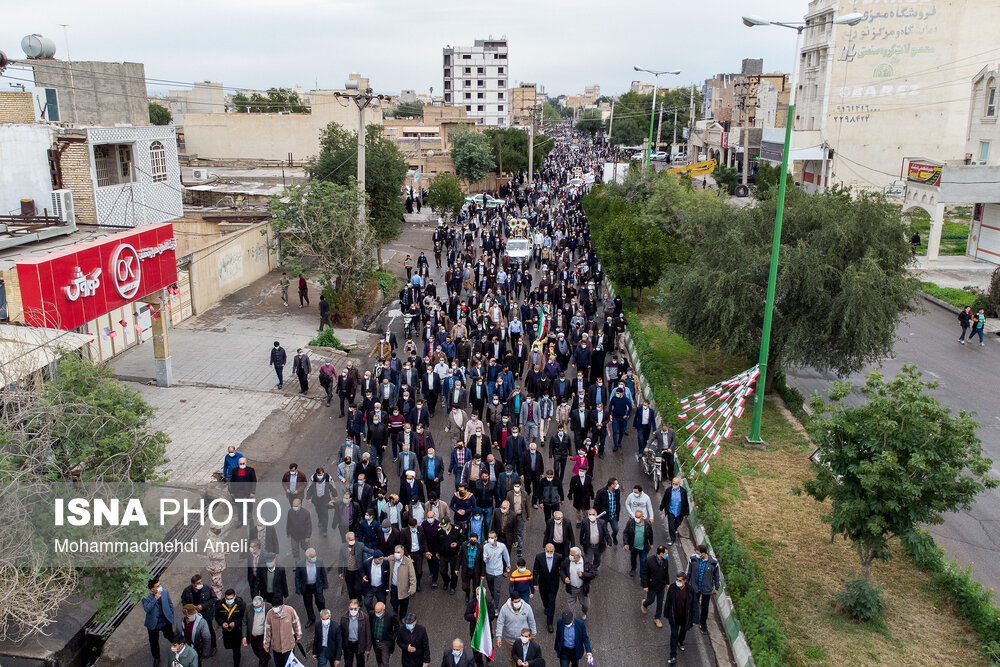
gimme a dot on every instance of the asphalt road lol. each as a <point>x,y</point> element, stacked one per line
<point>967,380</point>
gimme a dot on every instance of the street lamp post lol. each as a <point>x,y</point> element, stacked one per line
<point>647,162</point>
<point>772,276</point>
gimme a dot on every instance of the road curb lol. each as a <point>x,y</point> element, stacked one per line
<point>737,644</point>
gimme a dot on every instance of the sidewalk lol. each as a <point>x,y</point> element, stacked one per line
<point>954,271</point>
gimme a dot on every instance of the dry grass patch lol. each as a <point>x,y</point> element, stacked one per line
<point>803,571</point>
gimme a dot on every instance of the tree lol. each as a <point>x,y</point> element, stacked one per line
<point>632,111</point>
<point>318,227</point>
<point>445,195</point>
<point>590,121</point>
<point>406,110</point>
<point>277,100</point>
<point>159,115</point>
<point>509,148</point>
<point>632,247</point>
<point>766,180</point>
<point>83,428</point>
<point>551,113</point>
<point>726,178</point>
<point>842,287</point>
<point>471,154</point>
<point>893,464</point>
<point>385,171</point>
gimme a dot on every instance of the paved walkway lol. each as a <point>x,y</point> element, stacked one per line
<point>954,271</point>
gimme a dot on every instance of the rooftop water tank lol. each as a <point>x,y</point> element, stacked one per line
<point>38,46</point>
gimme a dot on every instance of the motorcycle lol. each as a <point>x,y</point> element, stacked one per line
<point>652,464</point>
<point>407,325</point>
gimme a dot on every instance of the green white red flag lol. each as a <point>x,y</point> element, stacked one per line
<point>482,638</point>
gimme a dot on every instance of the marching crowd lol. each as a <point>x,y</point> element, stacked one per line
<point>525,356</point>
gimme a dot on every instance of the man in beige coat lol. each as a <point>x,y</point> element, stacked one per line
<point>403,580</point>
<point>282,631</point>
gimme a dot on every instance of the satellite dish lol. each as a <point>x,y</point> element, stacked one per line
<point>3,61</point>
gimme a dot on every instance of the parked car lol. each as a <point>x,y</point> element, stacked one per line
<point>658,155</point>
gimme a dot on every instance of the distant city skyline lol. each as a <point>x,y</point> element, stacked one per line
<point>252,44</point>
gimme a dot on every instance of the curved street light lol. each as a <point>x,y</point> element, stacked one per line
<point>647,162</point>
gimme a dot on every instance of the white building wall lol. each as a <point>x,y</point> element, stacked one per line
<point>141,202</point>
<point>24,167</point>
<point>463,87</point>
<point>984,236</point>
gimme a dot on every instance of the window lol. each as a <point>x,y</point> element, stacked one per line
<point>466,57</point>
<point>480,70</point>
<point>499,70</point>
<point>977,212</point>
<point>447,97</point>
<point>125,162</point>
<point>447,72</point>
<point>991,98</point>
<point>447,85</point>
<point>468,70</point>
<point>447,60</point>
<point>468,107</point>
<point>158,160</point>
<point>480,83</point>
<point>984,151</point>
<point>468,96</point>
<point>499,96</point>
<point>468,83</point>
<point>479,108</point>
<point>502,83</point>
<point>500,108</point>
<point>101,164</point>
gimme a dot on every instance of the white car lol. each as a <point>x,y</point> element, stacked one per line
<point>483,200</point>
<point>659,155</point>
<point>519,248</point>
<point>576,182</point>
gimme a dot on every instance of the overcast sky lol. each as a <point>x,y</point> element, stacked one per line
<point>557,44</point>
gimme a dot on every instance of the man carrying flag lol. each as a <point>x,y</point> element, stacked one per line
<point>481,615</point>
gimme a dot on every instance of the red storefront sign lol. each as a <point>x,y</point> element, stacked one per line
<point>72,286</point>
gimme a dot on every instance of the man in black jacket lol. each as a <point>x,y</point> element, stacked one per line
<point>327,644</point>
<point>654,583</point>
<point>204,600</point>
<point>546,573</point>
<point>470,615</point>
<point>609,503</point>
<point>675,506</point>
<point>577,573</point>
<point>550,494</point>
<point>385,626</point>
<point>412,640</point>
<point>271,579</point>
<point>310,582</point>
<point>526,653</point>
<point>678,609</point>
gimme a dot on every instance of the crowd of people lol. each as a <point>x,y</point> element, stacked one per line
<point>526,359</point>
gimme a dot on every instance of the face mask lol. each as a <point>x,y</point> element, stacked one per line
<point>313,560</point>
<point>410,626</point>
<point>326,622</point>
<point>198,587</point>
<point>398,556</point>
<point>521,569</point>
<point>270,565</point>
<point>457,654</point>
<point>637,494</point>
<point>493,541</point>
<point>583,475</point>
<point>230,602</point>
<point>159,589</point>
<point>243,465</point>
<point>680,584</point>
<point>516,606</point>
<point>296,509</point>
<point>354,613</point>
<point>593,519</point>
<point>525,640</point>
<point>258,609</point>
<point>361,482</point>
<point>569,625</point>
<point>379,614</point>
<point>351,543</point>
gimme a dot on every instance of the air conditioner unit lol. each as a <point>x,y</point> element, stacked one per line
<point>62,206</point>
<point>200,174</point>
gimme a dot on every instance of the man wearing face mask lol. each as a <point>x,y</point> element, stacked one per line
<point>546,578</point>
<point>639,501</point>
<point>572,642</point>
<point>403,580</point>
<point>182,655</point>
<point>637,538</point>
<point>243,481</point>
<point>458,655</point>
<point>609,503</point>
<point>413,641</point>
<point>678,609</point>
<point>703,576</point>
<point>593,537</point>
<point>355,635</point>
<point>675,506</point>
<point>559,532</point>
<point>514,617</point>
<point>204,600</point>
<point>577,573</point>
<point>273,583</point>
<point>654,582</point>
<point>326,648</point>
<point>384,627</point>
<point>310,583</point>
<point>159,617</point>
<point>526,653</point>
<point>193,630</point>
<point>581,492</point>
<point>229,617</point>
<point>298,527</point>
<point>254,632</point>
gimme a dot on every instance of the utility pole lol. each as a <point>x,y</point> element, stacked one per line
<point>531,144</point>
<point>673,144</point>
<point>691,158</point>
<point>362,99</point>
<point>611,124</point>
<point>659,126</point>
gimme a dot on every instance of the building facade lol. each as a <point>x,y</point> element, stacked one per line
<point>523,101</point>
<point>475,77</point>
<point>92,93</point>
<point>893,86</point>
<point>204,97</point>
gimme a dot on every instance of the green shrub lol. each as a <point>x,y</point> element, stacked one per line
<point>973,601</point>
<point>956,297</point>
<point>386,282</point>
<point>862,599</point>
<point>752,606</point>
<point>790,395</point>
<point>325,338</point>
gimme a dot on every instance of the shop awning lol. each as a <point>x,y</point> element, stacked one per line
<point>24,350</point>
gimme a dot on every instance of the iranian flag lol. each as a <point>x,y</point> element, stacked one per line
<point>482,639</point>
<point>543,324</point>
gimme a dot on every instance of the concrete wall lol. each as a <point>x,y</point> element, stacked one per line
<point>232,262</point>
<point>101,93</point>
<point>270,136</point>
<point>204,97</point>
<point>25,161</point>
<point>17,107</point>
